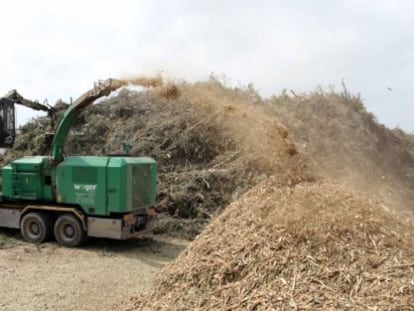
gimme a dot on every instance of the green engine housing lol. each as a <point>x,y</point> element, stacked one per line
<point>28,178</point>
<point>99,185</point>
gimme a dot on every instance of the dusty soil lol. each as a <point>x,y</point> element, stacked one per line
<point>99,276</point>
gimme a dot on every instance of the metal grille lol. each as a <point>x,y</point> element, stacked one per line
<point>141,186</point>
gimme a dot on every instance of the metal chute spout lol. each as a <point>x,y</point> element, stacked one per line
<point>101,88</point>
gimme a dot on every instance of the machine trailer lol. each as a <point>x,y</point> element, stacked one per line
<point>71,198</point>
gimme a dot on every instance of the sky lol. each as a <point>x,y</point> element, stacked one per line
<point>57,49</point>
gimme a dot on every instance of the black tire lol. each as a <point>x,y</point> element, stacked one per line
<point>36,227</point>
<point>68,231</point>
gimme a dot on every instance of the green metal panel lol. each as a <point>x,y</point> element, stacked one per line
<point>28,178</point>
<point>82,181</point>
<point>29,164</point>
<point>29,186</point>
<point>117,185</point>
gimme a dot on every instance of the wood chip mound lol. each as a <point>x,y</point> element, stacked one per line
<point>310,246</point>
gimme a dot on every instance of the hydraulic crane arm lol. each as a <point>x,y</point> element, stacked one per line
<point>7,115</point>
<point>16,98</point>
<point>7,135</point>
<point>102,88</point>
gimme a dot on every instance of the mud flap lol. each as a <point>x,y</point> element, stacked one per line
<point>10,218</point>
<point>117,228</point>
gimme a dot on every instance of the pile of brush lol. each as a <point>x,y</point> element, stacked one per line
<point>210,142</point>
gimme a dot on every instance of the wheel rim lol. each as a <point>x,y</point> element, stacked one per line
<point>33,230</point>
<point>69,231</point>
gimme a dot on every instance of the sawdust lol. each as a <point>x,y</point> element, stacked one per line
<point>344,142</point>
<point>311,246</point>
<point>259,136</point>
<point>144,81</point>
<point>301,245</point>
<point>168,90</point>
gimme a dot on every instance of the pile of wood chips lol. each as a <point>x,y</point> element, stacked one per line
<point>310,246</point>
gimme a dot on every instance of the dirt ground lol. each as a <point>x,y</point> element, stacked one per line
<point>99,276</point>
